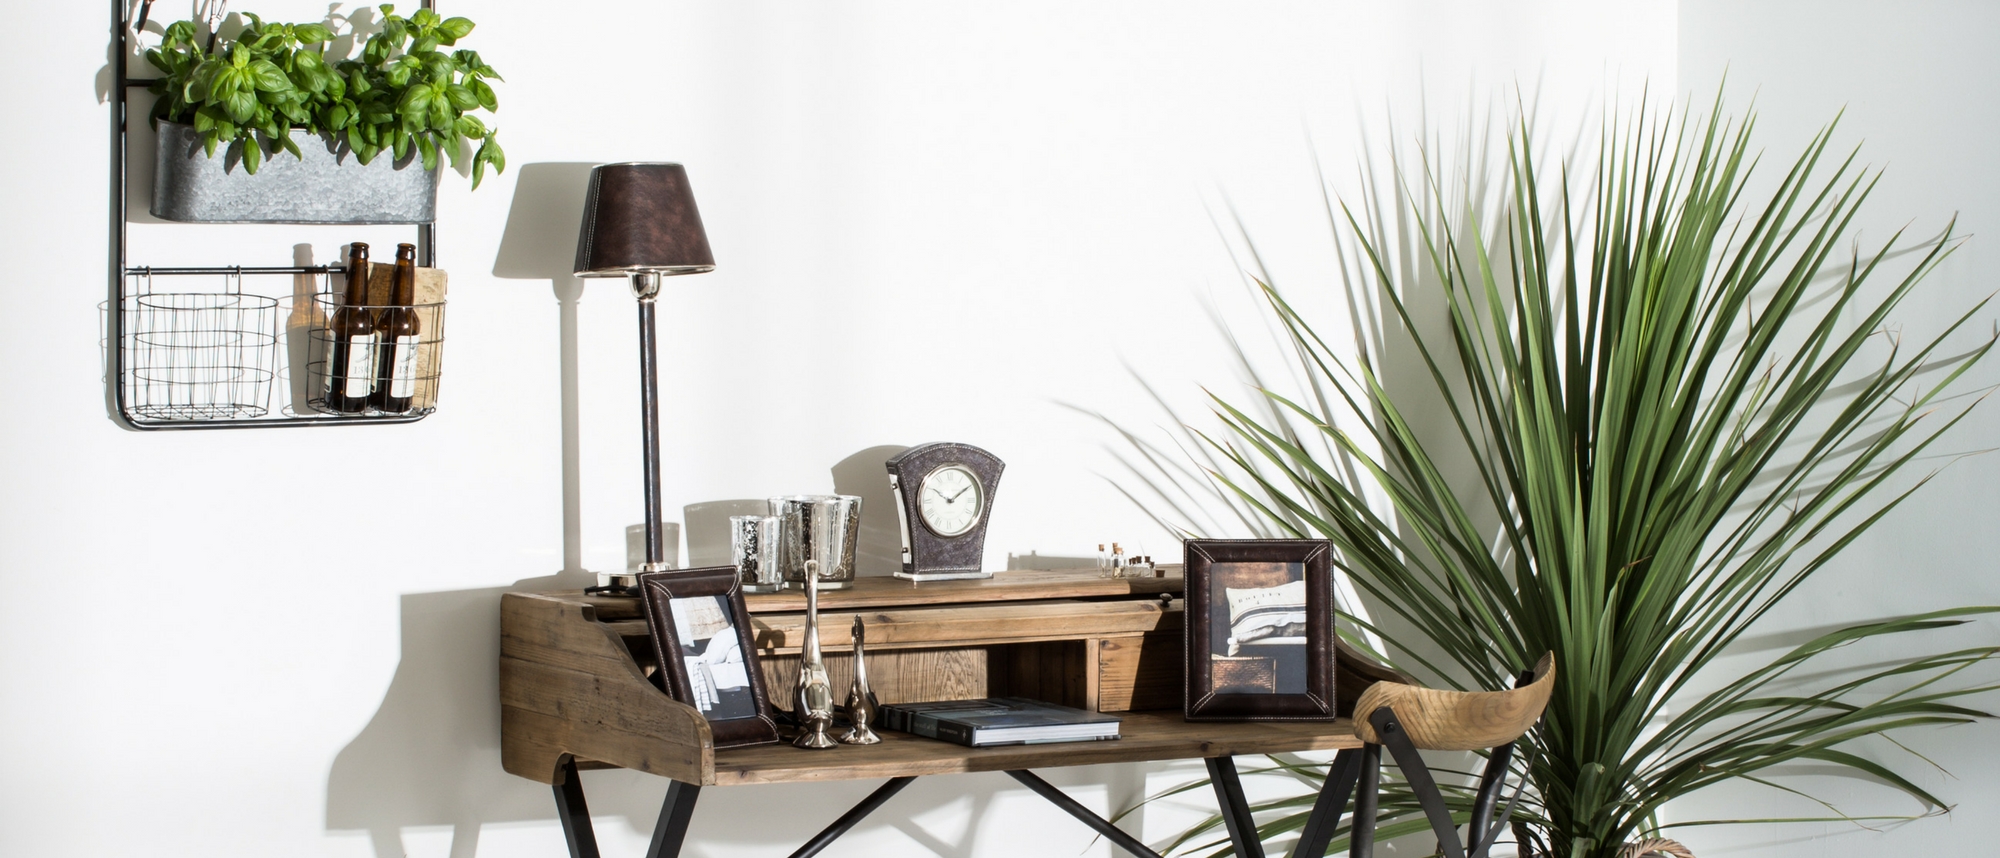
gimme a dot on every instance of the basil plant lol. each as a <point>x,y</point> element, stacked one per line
<point>403,92</point>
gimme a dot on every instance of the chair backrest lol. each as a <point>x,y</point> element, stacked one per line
<point>1458,720</point>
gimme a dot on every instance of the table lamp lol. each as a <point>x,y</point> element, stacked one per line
<point>639,221</point>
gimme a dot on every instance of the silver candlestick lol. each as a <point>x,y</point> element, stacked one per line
<point>812,703</point>
<point>861,702</point>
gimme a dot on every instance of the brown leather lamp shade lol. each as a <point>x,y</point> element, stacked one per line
<point>641,217</point>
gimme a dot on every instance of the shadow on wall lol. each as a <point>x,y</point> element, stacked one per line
<point>539,243</point>
<point>880,550</point>
<point>863,475</point>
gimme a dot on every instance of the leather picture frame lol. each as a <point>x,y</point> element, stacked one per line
<point>690,613</point>
<point>1259,633</point>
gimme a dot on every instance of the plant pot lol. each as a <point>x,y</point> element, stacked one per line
<point>328,185</point>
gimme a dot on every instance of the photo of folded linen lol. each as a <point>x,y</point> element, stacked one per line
<point>713,655</point>
<point>1270,616</point>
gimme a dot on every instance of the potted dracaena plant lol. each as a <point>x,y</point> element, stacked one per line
<point>269,125</point>
<point>1618,416</point>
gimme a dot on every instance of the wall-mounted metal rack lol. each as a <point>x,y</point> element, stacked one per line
<point>207,324</point>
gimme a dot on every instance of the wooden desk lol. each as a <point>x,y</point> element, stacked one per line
<point>574,693</point>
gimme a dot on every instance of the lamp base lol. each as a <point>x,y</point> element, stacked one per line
<point>614,584</point>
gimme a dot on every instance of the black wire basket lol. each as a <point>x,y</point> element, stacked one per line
<point>199,355</point>
<point>386,377</point>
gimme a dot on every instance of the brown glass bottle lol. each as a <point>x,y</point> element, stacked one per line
<point>398,328</point>
<point>350,357</point>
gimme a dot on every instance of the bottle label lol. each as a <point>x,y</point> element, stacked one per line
<point>361,366</point>
<point>403,379</point>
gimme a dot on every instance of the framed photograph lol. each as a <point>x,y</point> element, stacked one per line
<point>701,635</point>
<point>1259,630</point>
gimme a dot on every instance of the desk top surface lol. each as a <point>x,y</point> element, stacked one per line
<point>1146,737</point>
<point>888,592</point>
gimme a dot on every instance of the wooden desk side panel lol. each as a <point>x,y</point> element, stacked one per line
<point>568,686</point>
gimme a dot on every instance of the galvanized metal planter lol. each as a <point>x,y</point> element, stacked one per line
<point>329,185</point>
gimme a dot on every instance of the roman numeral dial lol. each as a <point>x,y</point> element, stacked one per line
<point>950,501</point>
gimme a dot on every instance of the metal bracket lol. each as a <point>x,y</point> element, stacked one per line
<point>1317,834</point>
<point>1235,810</point>
<point>1068,805</point>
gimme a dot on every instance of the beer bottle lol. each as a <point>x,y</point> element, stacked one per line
<point>350,359</point>
<point>398,329</point>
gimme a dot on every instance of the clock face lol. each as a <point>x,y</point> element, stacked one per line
<point>950,500</point>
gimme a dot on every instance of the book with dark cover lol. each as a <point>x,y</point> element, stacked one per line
<point>999,721</point>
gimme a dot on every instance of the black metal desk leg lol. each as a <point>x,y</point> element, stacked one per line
<point>1326,812</point>
<point>574,813</point>
<point>675,813</point>
<point>850,818</point>
<point>1235,811</point>
<point>1070,806</point>
<point>1367,803</point>
<point>1418,776</point>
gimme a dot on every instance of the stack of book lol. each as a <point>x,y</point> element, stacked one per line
<point>999,721</point>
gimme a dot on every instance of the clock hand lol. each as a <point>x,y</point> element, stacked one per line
<point>954,498</point>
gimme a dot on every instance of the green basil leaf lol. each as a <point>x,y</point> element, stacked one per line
<point>291,145</point>
<point>499,157</point>
<point>416,101</point>
<point>425,19</point>
<point>462,97</point>
<point>313,33</point>
<point>456,28</point>
<point>241,106</point>
<point>428,149</point>
<point>253,156</point>
<point>470,126</point>
<point>425,44</point>
<point>268,77</point>
<point>485,95</point>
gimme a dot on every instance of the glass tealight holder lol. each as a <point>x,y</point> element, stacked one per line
<point>798,513</point>
<point>756,542</point>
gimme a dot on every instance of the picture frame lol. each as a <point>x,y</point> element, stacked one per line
<point>704,644</point>
<point>1258,630</point>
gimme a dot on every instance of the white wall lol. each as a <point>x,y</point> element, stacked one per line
<point>1920,84</point>
<point>933,221</point>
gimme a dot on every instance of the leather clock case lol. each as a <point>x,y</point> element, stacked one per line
<point>929,552</point>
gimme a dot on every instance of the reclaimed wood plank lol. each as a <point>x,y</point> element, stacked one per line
<point>558,661</point>
<point>932,626</point>
<point>904,676</point>
<point>887,592</point>
<point>1139,672</point>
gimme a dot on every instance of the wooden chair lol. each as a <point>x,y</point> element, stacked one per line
<point>1406,718</point>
